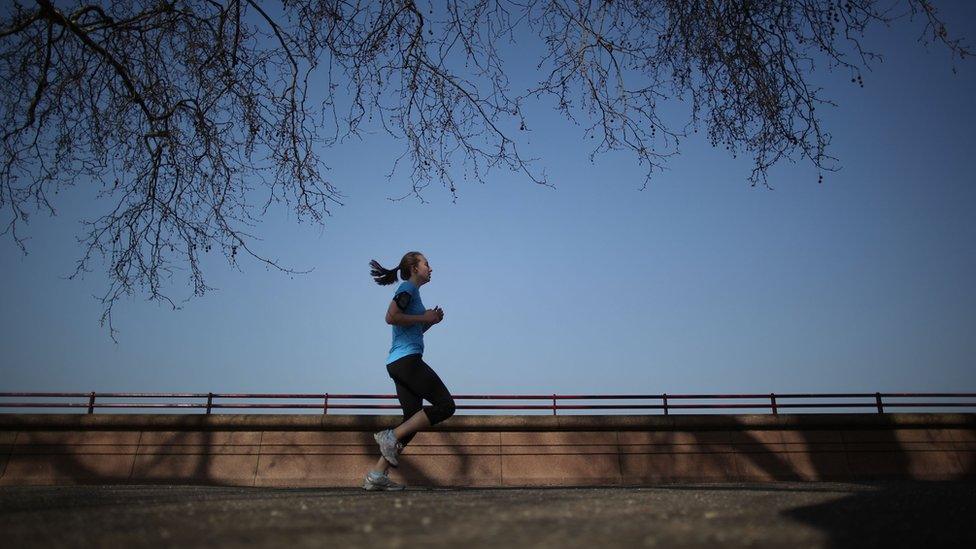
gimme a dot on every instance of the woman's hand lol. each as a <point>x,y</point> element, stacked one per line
<point>434,316</point>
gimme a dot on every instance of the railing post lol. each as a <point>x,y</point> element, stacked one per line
<point>325,408</point>
<point>91,403</point>
<point>772,401</point>
<point>664,397</point>
<point>209,402</point>
<point>877,398</point>
<point>553,404</point>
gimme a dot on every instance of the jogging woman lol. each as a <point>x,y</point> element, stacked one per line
<point>415,381</point>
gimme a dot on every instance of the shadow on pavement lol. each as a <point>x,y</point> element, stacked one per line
<point>899,514</point>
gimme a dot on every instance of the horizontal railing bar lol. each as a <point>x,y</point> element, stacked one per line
<point>833,404</point>
<point>657,397</point>
<point>145,405</point>
<point>97,404</point>
<point>559,407</point>
<point>79,395</point>
<point>310,406</point>
<point>43,405</point>
<point>940,395</point>
<point>149,395</point>
<point>497,397</point>
<point>485,406</point>
<point>301,395</point>
<point>768,402</point>
<point>933,404</point>
<point>767,395</point>
<point>107,395</point>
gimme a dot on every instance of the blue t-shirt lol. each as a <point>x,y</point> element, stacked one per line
<point>407,340</point>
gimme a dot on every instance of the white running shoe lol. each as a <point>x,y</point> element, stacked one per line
<point>389,446</point>
<point>376,481</point>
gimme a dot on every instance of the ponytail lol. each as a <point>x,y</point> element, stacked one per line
<point>384,276</point>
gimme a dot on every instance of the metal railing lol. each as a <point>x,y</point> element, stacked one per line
<point>646,403</point>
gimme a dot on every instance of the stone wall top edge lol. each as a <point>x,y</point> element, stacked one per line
<point>306,422</point>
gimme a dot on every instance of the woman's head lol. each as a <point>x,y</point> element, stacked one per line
<point>412,263</point>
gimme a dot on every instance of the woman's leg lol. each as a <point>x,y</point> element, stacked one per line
<point>412,404</point>
<point>417,422</point>
<point>421,380</point>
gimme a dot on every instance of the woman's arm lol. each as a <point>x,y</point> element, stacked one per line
<point>396,317</point>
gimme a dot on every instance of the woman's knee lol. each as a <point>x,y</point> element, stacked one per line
<point>449,408</point>
<point>441,410</point>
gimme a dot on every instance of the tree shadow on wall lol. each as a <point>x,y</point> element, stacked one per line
<point>100,456</point>
<point>441,459</point>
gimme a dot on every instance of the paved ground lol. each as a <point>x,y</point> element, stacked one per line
<point>780,514</point>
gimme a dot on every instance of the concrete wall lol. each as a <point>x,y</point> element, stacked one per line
<point>309,450</point>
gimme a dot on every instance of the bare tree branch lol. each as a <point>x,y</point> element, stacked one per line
<point>193,118</point>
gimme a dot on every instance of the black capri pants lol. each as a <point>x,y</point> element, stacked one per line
<point>415,382</point>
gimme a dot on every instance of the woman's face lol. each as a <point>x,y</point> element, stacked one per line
<point>423,269</point>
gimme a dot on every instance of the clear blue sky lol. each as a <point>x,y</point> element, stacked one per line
<point>698,283</point>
